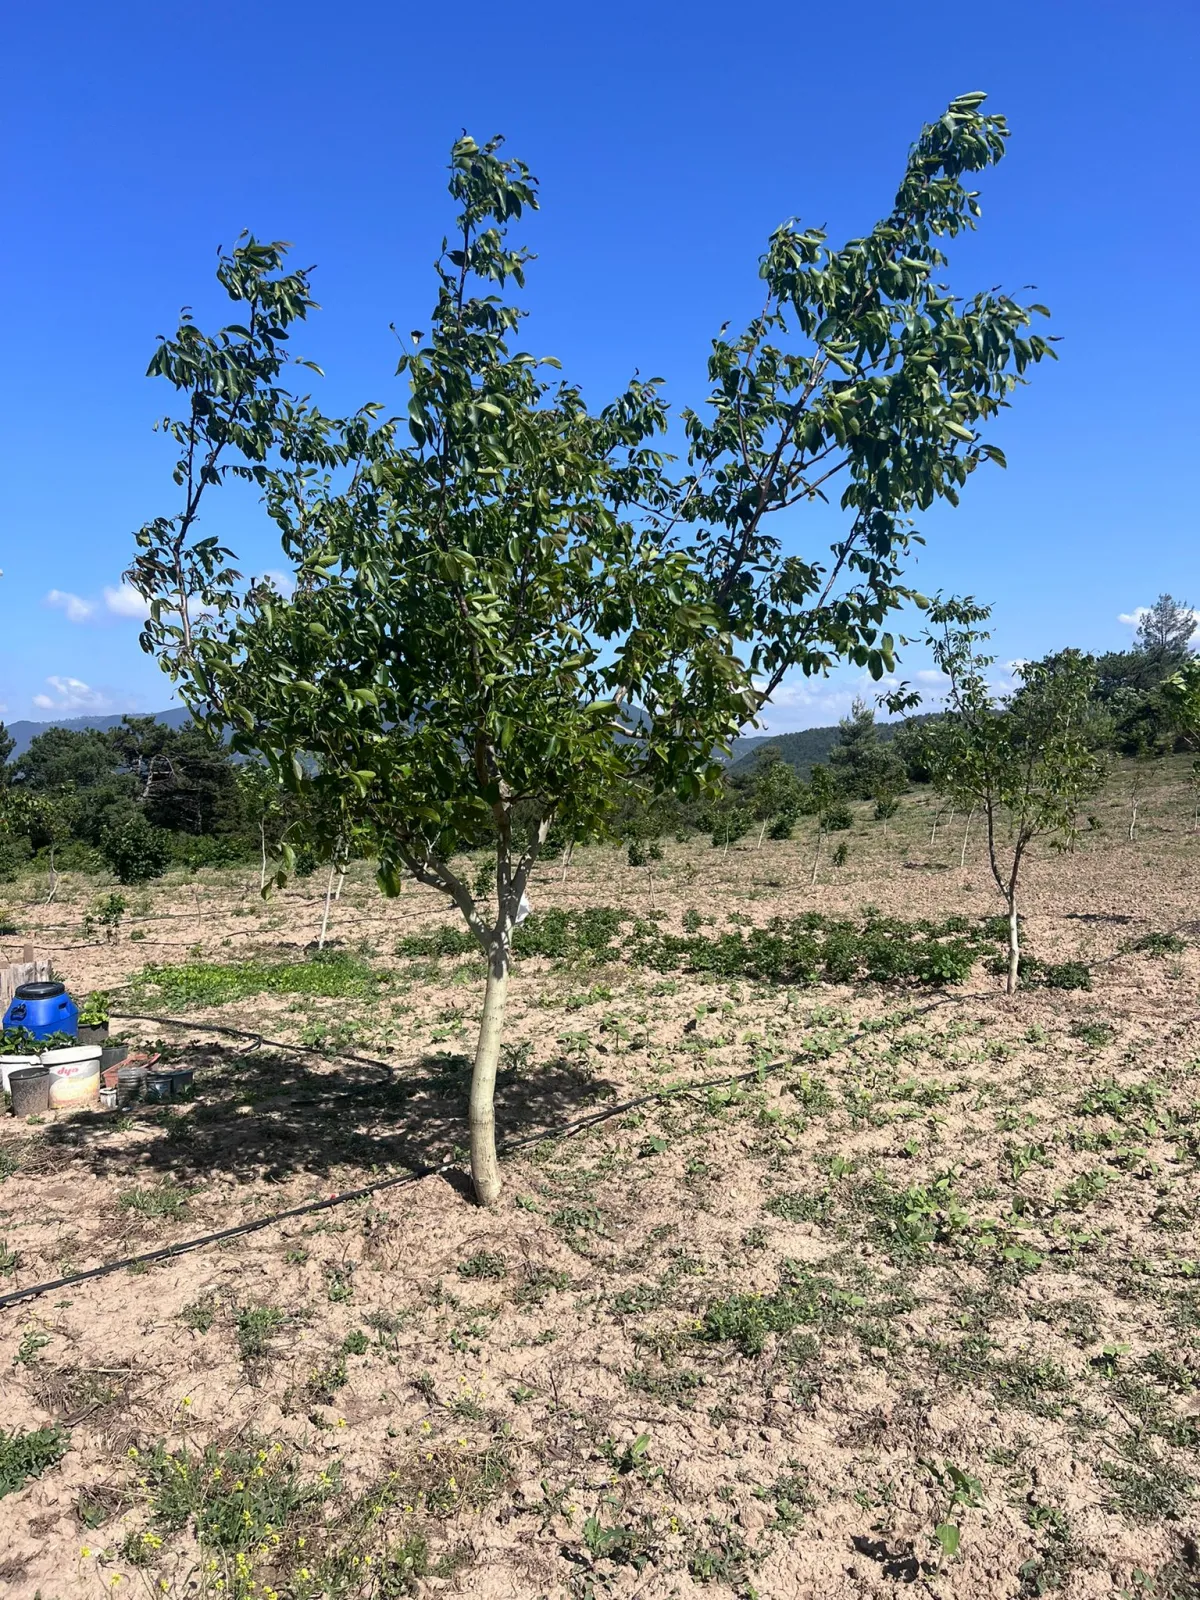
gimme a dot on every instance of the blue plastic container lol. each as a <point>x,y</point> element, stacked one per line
<point>43,1008</point>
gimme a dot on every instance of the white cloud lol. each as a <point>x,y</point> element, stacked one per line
<point>77,609</point>
<point>125,601</point>
<point>1133,619</point>
<point>283,581</point>
<point>818,702</point>
<point>120,600</point>
<point>72,695</point>
<point>931,677</point>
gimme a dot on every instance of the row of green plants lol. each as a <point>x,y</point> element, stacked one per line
<point>810,948</point>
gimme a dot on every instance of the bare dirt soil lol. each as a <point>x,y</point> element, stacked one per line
<point>877,1288</point>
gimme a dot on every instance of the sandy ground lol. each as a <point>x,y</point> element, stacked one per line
<point>748,1338</point>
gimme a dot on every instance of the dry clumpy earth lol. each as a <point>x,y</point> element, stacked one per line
<point>877,1288</point>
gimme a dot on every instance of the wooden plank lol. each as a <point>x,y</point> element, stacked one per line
<point>19,972</point>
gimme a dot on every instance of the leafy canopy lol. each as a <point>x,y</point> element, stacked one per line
<point>1031,755</point>
<point>508,607</point>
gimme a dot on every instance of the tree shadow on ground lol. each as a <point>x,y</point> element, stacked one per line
<point>267,1116</point>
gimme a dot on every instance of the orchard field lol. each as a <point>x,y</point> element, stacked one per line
<point>844,1280</point>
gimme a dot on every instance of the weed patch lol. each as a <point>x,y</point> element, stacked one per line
<point>25,1455</point>
<point>329,973</point>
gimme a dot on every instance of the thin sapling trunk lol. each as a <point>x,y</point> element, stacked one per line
<point>485,1164</point>
<point>328,898</point>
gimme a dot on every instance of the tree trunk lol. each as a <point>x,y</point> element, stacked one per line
<point>1133,821</point>
<point>1014,945</point>
<point>325,917</point>
<point>761,832</point>
<point>53,878</point>
<point>817,857</point>
<point>341,883</point>
<point>933,830</point>
<point>485,1168</point>
<point>262,875</point>
<point>962,859</point>
<point>567,854</point>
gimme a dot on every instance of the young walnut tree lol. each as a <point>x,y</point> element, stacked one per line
<point>1026,762</point>
<point>509,608</point>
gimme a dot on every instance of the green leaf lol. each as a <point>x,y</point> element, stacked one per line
<point>947,1535</point>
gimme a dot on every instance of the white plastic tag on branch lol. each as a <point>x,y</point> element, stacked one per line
<point>523,910</point>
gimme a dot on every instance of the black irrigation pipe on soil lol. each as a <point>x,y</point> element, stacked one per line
<point>401,1180</point>
<point>259,1039</point>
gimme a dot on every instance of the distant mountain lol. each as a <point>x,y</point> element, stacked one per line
<point>802,750</point>
<point>26,732</point>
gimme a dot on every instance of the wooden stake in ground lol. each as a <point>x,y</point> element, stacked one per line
<point>325,914</point>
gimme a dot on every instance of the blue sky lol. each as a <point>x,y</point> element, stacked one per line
<point>669,140</point>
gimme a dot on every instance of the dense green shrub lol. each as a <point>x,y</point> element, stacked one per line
<point>210,849</point>
<point>134,852</point>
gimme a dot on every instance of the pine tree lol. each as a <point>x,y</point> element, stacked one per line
<point>862,765</point>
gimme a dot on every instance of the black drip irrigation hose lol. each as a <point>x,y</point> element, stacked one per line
<point>567,1131</point>
<point>258,1039</point>
<point>397,1182</point>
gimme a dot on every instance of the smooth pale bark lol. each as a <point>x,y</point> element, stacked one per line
<point>1133,820</point>
<point>485,1166</point>
<point>933,830</point>
<point>761,831</point>
<point>262,875</point>
<point>817,857</point>
<point>567,854</point>
<point>341,884</point>
<point>325,917</point>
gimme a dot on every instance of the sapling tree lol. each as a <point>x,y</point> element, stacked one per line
<point>509,608</point>
<point>266,802</point>
<point>887,803</point>
<point>1026,761</point>
<point>822,797</point>
<point>777,792</point>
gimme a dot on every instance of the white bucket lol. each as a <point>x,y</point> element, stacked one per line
<point>15,1064</point>
<point>74,1075</point>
